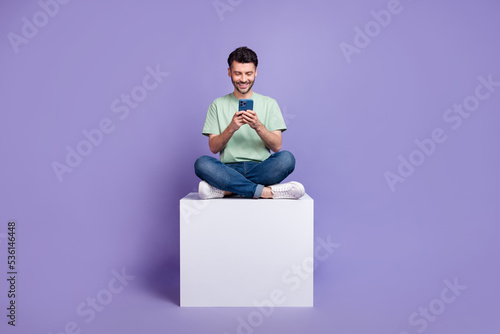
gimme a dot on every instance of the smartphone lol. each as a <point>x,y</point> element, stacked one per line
<point>245,105</point>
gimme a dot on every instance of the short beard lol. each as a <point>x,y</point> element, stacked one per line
<point>238,89</point>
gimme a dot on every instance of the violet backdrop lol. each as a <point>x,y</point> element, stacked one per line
<point>405,182</point>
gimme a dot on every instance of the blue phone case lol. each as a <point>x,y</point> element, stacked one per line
<point>245,105</point>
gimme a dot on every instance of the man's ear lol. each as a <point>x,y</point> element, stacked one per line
<point>229,71</point>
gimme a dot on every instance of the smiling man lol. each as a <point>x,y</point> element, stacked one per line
<point>244,140</point>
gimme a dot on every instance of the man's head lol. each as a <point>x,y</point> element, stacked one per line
<point>242,69</point>
<point>243,55</point>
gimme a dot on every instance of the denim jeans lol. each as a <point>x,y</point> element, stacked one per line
<point>246,178</point>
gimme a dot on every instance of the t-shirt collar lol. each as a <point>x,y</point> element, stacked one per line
<point>232,94</point>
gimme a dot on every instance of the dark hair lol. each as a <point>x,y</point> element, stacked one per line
<point>243,55</point>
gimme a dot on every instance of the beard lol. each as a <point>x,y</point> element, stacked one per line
<point>250,85</point>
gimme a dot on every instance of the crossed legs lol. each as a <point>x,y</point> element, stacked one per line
<point>248,179</point>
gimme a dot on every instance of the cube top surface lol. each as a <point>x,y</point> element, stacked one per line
<point>195,197</point>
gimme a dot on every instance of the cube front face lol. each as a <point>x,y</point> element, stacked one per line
<point>246,252</point>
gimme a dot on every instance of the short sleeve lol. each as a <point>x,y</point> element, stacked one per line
<point>211,125</point>
<point>275,118</point>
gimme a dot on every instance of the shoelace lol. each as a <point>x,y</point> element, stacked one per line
<point>215,191</point>
<point>284,191</point>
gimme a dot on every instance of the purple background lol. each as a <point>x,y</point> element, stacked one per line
<point>348,124</point>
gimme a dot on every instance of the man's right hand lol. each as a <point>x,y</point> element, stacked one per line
<point>218,142</point>
<point>237,121</point>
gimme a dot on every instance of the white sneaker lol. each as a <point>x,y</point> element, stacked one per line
<point>288,190</point>
<point>206,191</point>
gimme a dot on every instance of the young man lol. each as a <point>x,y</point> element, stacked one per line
<point>244,140</point>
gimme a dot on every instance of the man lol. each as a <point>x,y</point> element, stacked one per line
<point>244,140</point>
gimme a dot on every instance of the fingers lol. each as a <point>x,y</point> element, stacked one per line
<point>249,115</point>
<point>251,112</point>
<point>246,117</point>
<point>237,118</point>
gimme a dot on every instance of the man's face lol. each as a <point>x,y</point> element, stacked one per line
<point>243,76</point>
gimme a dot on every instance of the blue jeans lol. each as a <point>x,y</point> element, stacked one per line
<point>246,178</point>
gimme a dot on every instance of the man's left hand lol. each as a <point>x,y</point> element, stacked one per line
<point>250,118</point>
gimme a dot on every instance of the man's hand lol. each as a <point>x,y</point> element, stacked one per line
<point>250,118</point>
<point>272,140</point>
<point>218,142</point>
<point>237,121</point>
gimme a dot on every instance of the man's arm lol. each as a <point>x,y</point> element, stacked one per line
<point>216,143</point>
<point>272,139</point>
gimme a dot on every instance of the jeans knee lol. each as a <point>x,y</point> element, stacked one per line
<point>287,159</point>
<point>201,164</point>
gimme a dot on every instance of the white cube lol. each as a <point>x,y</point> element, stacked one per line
<point>246,252</point>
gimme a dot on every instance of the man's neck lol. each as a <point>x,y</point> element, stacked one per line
<point>240,96</point>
